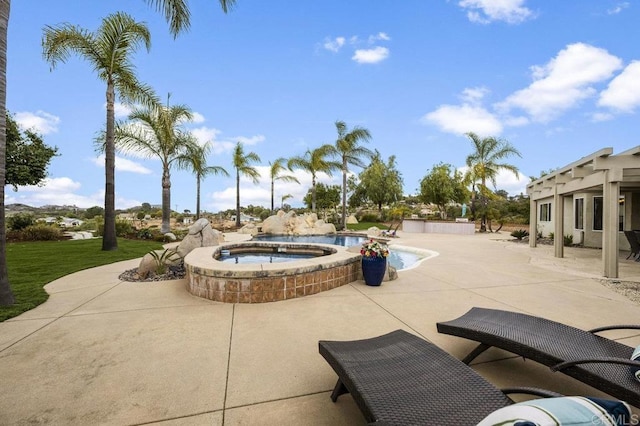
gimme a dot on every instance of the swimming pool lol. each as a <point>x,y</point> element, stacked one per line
<point>399,257</point>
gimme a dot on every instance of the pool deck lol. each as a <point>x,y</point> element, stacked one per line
<point>104,351</point>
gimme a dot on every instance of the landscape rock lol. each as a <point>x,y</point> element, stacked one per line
<point>291,224</point>
<point>201,234</point>
<point>170,236</point>
<point>249,228</point>
<point>149,265</point>
<point>352,220</point>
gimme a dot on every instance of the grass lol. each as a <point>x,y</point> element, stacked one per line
<point>363,226</point>
<point>32,265</point>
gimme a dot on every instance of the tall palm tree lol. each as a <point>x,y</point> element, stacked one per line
<point>242,163</point>
<point>315,161</point>
<point>350,151</point>
<point>109,50</point>
<point>485,163</point>
<point>158,133</point>
<point>176,13</point>
<point>275,172</point>
<point>195,159</point>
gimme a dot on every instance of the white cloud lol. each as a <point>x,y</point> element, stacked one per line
<point>563,82</point>
<point>379,37</point>
<point>120,110</point>
<point>618,8</point>
<point>623,93</point>
<point>42,122</point>
<point>487,11</point>
<point>334,45</point>
<point>123,165</point>
<point>371,56</point>
<point>473,95</point>
<point>460,119</point>
<point>253,140</point>
<point>198,118</point>
<point>601,116</point>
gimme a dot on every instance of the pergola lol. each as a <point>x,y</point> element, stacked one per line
<point>599,172</point>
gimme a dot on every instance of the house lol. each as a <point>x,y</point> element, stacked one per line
<point>593,200</point>
<point>245,218</point>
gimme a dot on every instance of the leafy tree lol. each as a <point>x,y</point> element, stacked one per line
<point>109,50</point>
<point>242,163</point>
<point>315,161</point>
<point>158,133</point>
<point>381,183</point>
<point>327,196</point>
<point>146,207</point>
<point>275,173</point>
<point>27,156</point>
<point>485,162</point>
<point>350,152</point>
<point>92,212</point>
<point>195,158</point>
<point>443,185</point>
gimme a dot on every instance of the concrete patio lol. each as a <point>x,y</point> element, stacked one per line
<point>103,351</point>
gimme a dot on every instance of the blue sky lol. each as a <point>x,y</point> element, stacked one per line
<point>557,79</point>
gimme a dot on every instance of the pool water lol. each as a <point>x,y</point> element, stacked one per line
<point>399,259</point>
<point>242,258</point>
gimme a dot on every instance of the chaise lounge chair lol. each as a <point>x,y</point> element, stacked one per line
<point>401,379</point>
<point>595,360</point>
<point>392,231</point>
<point>634,244</point>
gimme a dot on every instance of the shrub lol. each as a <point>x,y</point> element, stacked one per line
<point>20,221</point>
<point>145,234</point>
<point>369,217</point>
<point>519,234</point>
<point>124,228</point>
<point>551,236</point>
<point>568,240</point>
<point>38,232</point>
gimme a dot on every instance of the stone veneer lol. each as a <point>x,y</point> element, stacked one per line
<point>268,282</point>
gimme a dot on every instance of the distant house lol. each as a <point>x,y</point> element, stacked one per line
<point>593,200</point>
<point>64,222</point>
<point>245,218</point>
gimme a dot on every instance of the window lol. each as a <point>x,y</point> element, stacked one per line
<point>598,206</point>
<point>597,213</point>
<point>578,212</point>
<point>545,212</point>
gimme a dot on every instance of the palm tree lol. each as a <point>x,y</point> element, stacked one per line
<point>176,13</point>
<point>350,151</point>
<point>242,163</point>
<point>158,133</point>
<point>277,167</point>
<point>109,50</point>
<point>484,165</point>
<point>195,159</point>
<point>315,161</point>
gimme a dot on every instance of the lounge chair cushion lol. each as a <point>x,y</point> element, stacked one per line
<point>636,357</point>
<point>569,410</point>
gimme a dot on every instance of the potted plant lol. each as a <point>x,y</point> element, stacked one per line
<point>374,261</point>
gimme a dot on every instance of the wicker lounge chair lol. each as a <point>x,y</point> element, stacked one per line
<point>595,360</point>
<point>401,379</point>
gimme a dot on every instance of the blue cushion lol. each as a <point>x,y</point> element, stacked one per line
<point>568,410</point>
<point>636,357</point>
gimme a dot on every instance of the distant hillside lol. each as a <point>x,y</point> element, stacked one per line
<point>11,209</point>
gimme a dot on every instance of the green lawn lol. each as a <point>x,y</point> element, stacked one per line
<point>34,264</point>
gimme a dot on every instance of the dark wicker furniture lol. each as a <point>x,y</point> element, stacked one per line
<point>634,244</point>
<point>401,379</point>
<point>595,360</point>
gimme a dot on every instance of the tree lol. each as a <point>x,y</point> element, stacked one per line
<point>327,196</point>
<point>315,161</point>
<point>27,156</point>
<point>350,151</point>
<point>484,165</point>
<point>195,159</point>
<point>109,50</point>
<point>275,172</point>
<point>177,14</point>
<point>443,185</point>
<point>94,211</point>
<point>242,163</point>
<point>380,183</point>
<point>158,133</point>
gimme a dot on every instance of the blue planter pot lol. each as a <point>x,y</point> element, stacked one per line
<point>373,269</point>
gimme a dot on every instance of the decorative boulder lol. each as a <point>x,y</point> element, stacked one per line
<point>249,228</point>
<point>291,224</point>
<point>374,231</point>
<point>352,220</point>
<point>170,236</point>
<point>149,263</point>
<point>201,234</point>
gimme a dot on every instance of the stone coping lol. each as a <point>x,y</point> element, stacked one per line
<point>201,260</point>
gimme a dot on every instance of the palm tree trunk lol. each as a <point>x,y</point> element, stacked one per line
<point>166,200</point>
<point>109,240</point>
<point>313,194</point>
<point>6,295</point>
<point>344,194</point>
<point>483,198</point>
<point>237,199</point>
<point>272,191</point>
<point>197,197</point>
